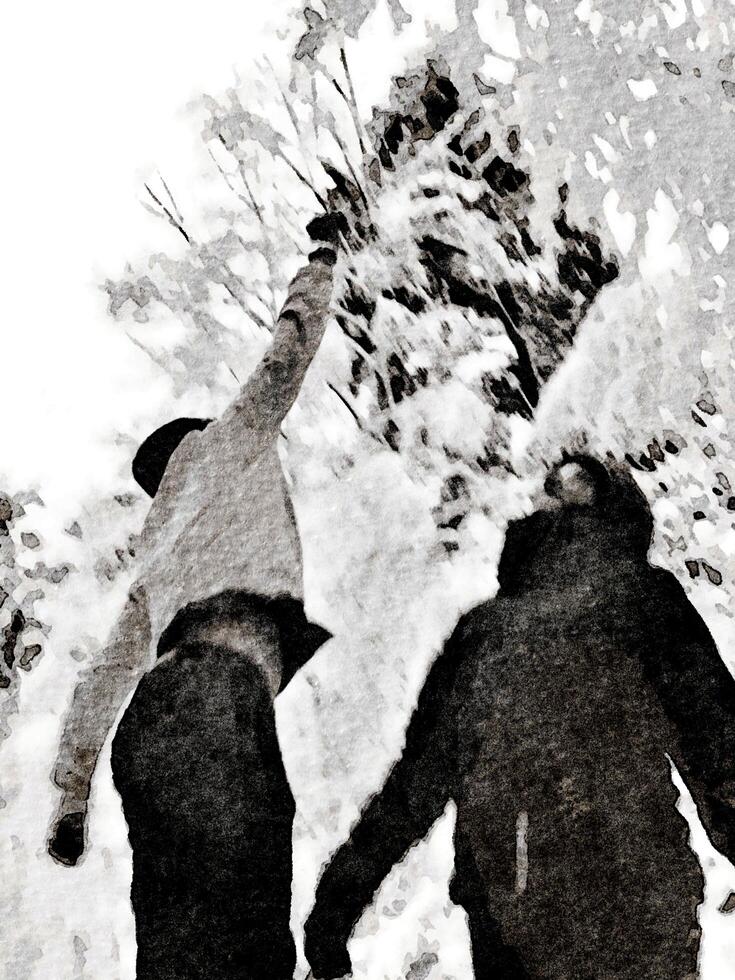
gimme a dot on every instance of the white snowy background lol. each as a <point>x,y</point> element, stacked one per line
<point>95,103</point>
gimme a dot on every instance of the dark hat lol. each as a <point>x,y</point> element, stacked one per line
<point>151,460</point>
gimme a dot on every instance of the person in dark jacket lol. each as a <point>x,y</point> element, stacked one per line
<point>550,718</point>
<point>209,809</point>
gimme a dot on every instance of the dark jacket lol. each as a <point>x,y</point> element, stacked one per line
<point>550,712</point>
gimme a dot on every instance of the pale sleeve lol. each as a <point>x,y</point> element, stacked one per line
<point>97,699</point>
<point>269,393</point>
<point>251,423</point>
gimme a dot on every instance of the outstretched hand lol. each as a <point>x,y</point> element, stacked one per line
<point>66,841</point>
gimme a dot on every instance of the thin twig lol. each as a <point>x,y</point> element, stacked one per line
<point>339,88</point>
<point>368,358</point>
<point>267,253</point>
<point>294,121</point>
<point>287,104</point>
<point>313,110</point>
<point>254,204</point>
<point>279,152</point>
<point>345,98</point>
<point>346,404</point>
<point>171,198</point>
<point>303,179</point>
<point>247,309</point>
<point>243,178</point>
<point>149,353</point>
<point>226,177</point>
<point>343,148</point>
<point>233,373</point>
<point>179,227</point>
<point>353,103</point>
<point>250,202</point>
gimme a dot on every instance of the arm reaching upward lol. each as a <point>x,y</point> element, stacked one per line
<point>415,794</point>
<point>252,421</point>
<point>250,425</point>
<point>269,393</point>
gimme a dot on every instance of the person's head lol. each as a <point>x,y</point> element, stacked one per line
<point>582,498</point>
<point>583,481</point>
<point>273,633</point>
<point>578,481</point>
<point>151,460</point>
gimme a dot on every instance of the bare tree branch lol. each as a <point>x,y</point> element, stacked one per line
<point>352,101</point>
<point>171,199</point>
<point>172,220</point>
<point>346,404</point>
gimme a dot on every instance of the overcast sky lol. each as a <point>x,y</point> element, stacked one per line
<point>93,102</point>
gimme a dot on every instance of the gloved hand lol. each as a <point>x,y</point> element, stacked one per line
<point>66,841</point>
<point>327,954</point>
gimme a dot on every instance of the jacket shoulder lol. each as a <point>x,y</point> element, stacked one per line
<point>480,629</point>
<point>673,609</point>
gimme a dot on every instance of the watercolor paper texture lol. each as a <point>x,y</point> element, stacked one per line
<point>442,556</point>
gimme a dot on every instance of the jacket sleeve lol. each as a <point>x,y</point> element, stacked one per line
<point>98,697</point>
<point>698,694</point>
<point>415,794</point>
<point>251,423</point>
<point>271,390</point>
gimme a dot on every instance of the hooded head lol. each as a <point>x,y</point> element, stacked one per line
<point>587,505</point>
<point>245,620</point>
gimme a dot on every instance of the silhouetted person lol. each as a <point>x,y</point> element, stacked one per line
<point>205,795</point>
<point>548,719</point>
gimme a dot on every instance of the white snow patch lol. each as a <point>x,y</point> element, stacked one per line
<point>642,89</point>
<point>719,236</point>
<point>622,223</point>
<point>496,28</point>
<point>594,171</point>
<point>498,68</point>
<point>536,16</point>
<point>662,255</point>
<point>605,148</point>
<point>593,18</point>
<point>624,124</point>
<point>674,11</point>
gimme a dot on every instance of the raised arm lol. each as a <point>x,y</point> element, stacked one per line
<point>252,422</point>
<point>271,390</point>
<point>698,694</point>
<point>414,796</point>
<point>98,697</point>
